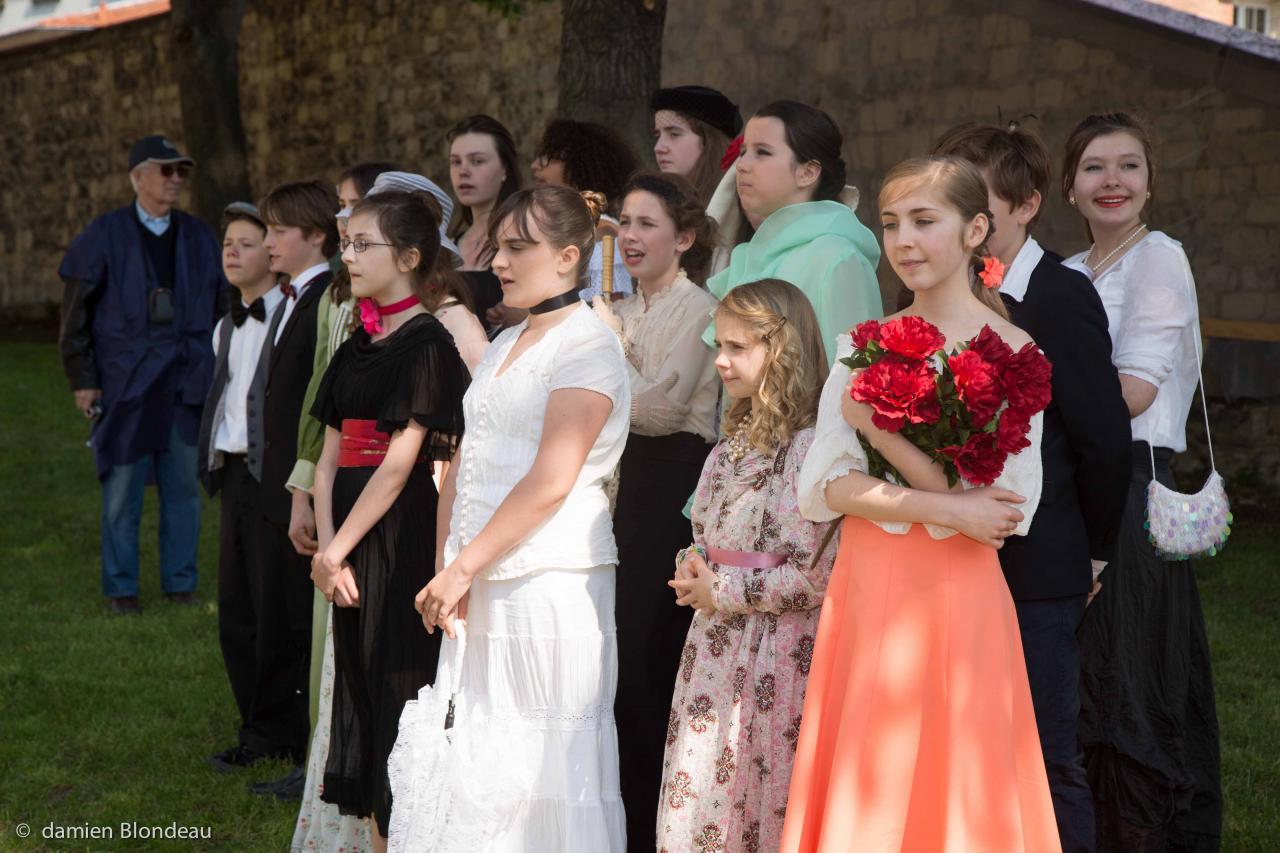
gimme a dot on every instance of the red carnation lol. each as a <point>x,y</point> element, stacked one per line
<point>911,337</point>
<point>1011,432</point>
<point>731,153</point>
<point>991,347</point>
<point>864,333</point>
<point>1026,378</point>
<point>898,392</point>
<point>979,461</point>
<point>978,383</point>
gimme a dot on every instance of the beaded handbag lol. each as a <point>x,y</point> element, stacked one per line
<point>1180,526</point>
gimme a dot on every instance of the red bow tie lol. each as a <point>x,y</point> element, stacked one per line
<point>288,290</point>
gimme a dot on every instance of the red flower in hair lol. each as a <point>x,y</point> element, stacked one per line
<point>978,383</point>
<point>1027,380</point>
<point>899,392</point>
<point>731,153</point>
<point>864,333</point>
<point>911,337</point>
<point>992,272</point>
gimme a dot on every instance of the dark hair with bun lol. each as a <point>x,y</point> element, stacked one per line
<point>680,201</point>
<point>563,216</point>
<point>812,135</point>
<point>409,221</point>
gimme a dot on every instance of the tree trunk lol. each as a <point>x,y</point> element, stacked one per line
<point>205,34</point>
<point>610,63</point>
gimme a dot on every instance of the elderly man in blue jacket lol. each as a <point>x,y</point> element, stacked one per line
<point>143,286</point>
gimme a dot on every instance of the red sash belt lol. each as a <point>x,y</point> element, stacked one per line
<point>745,559</point>
<point>363,446</point>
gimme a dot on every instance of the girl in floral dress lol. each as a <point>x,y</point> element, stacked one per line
<point>754,581</point>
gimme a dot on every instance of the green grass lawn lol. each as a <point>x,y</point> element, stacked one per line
<point>105,720</point>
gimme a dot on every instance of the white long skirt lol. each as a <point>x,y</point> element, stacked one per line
<point>542,650</point>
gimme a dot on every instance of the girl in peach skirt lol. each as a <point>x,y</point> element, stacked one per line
<point>918,732</point>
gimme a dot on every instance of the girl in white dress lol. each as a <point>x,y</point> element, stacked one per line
<point>529,557</point>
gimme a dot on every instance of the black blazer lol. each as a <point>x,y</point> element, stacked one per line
<point>291,362</point>
<point>1085,448</point>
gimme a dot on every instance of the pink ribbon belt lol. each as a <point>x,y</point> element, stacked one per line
<point>746,559</point>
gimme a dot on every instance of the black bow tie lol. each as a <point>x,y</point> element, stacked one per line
<point>240,313</point>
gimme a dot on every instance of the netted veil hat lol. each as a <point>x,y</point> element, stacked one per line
<point>705,104</point>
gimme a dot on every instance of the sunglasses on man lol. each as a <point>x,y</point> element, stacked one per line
<point>167,169</point>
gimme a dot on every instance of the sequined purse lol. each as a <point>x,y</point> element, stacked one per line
<point>1182,527</point>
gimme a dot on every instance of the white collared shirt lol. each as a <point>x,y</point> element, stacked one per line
<point>232,433</point>
<point>299,287</point>
<point>157,225</point>
<point>1018,276</point>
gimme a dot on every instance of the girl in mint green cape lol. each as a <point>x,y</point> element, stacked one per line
<point>788,181</point>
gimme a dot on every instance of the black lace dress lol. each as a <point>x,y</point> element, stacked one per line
<point>382,654</point>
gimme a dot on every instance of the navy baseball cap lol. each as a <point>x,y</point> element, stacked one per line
<point>156,149</point>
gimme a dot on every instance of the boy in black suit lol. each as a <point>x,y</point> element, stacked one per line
<point>1085,451</point>
<point>230,450</point>
<point>302,234</point>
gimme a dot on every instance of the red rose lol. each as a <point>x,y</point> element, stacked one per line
<point>911,337</point>
<point>979,461</point>
<point>1026,377</point>
<point>1011,432</point>
<point>864,333</point>
<point>978,383</point>
<point>898,391</point>
<point>991,347</point>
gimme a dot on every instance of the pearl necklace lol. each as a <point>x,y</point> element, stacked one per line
<point>738,442</point>
<point>1102,263</point>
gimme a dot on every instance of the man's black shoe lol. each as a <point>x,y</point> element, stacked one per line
<point>189,599</point>
<point>125,605</point>
<point>235,758</point>
<point>286,788</point>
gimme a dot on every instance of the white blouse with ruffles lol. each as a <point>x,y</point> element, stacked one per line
<point>665,337</point>
<point>1150,299</point>
<point>836,451</point>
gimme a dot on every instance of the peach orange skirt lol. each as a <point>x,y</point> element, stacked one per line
<point>918,732</point>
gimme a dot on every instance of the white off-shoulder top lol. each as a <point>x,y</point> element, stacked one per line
<point>836,451</point>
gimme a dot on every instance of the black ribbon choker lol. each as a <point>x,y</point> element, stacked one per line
<point>556,302</point>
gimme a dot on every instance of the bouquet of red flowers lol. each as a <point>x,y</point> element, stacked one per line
<point>969,410</point>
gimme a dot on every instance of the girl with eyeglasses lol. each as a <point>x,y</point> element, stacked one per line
<point>391,402</point>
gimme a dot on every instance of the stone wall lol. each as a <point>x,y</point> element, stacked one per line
<point>324,83</point>
<point>327,82</point>
<point>896,73</point>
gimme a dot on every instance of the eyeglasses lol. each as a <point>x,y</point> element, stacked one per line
<point>167,169</point>
<point>360,245</point>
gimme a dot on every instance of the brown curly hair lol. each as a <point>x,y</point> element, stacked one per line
<point>680,201</point>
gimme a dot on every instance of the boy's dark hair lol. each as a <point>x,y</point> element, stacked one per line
<point>309,205</point>
<point>364,174</point>
<point>230,216</point>
<point>1016,159</point>
<point>595,157</point>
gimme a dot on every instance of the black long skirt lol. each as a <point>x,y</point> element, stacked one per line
<point>1147,719</point>
<point>382,654</point>
<point>658,475</point>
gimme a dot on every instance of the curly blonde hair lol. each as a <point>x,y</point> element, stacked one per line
<point>795,368</point>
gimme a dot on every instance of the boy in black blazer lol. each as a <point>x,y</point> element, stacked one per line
<point>229,461</point>
<point>302,234</point>
<point>1085,451</point>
